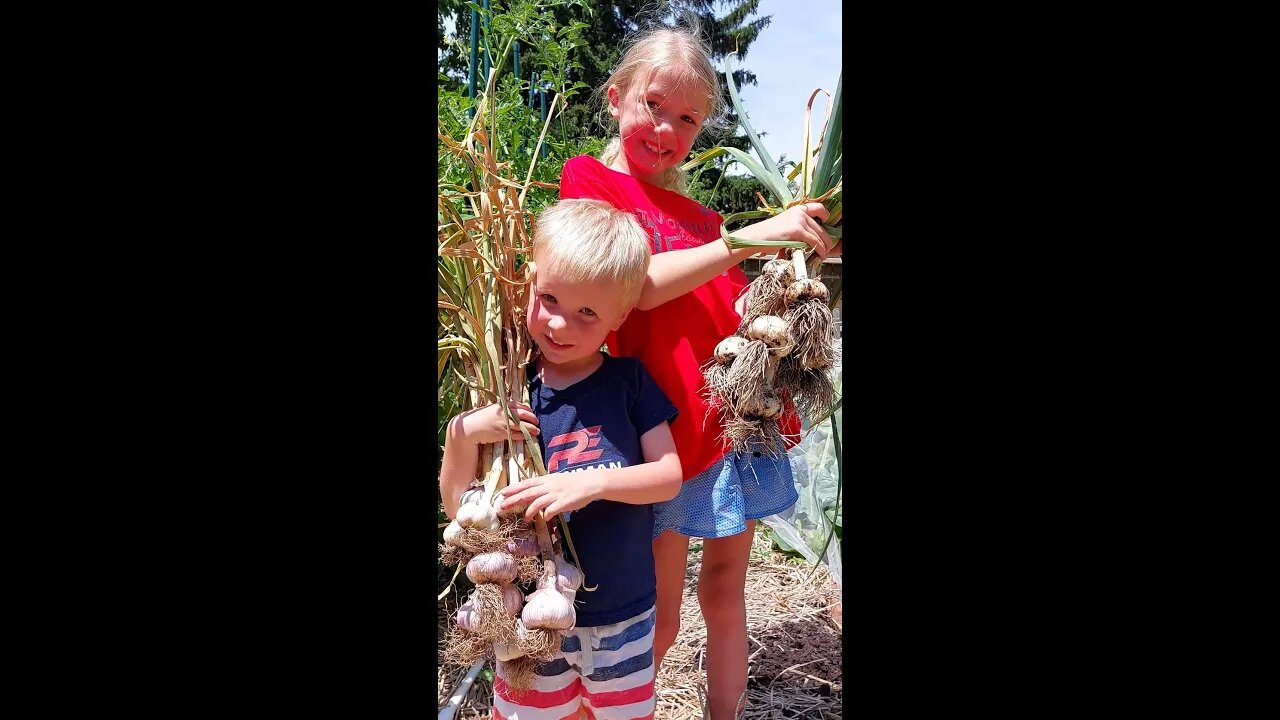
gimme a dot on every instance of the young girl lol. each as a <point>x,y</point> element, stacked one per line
<point>662,94</point>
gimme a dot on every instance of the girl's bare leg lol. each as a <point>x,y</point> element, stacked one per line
<point>722,597</point>
<point>670,557</point>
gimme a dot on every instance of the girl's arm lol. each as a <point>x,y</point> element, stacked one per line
<point>676,272</point>
<point>657,479</point>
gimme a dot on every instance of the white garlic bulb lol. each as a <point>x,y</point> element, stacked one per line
<point>491,567</point>
<point>452,532</point>
<point>499,497</point>
<point>471,495</point>
<point>784,271</point>
<point>568,577</point>
<point>773,331</point>
<point>477,516</point>
<point>547,608</point>
<point>805,290</point>
<point>729,348</point>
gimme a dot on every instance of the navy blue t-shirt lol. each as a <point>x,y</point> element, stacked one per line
<point>597,423</point>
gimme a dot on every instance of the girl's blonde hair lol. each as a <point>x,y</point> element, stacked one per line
<point>588,240</point>
<point>676,49</point>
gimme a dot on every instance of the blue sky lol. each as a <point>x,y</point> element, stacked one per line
<point>799,52</point>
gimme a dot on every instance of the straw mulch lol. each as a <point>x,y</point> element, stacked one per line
<point>793,630</point>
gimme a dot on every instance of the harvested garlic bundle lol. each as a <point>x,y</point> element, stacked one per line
<point>767,292</point>
<point>491,567</point>
<point>547,608</point>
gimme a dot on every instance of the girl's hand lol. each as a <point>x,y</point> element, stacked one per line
<point>554,493</point>
<point>796,223</point>
<point>489,424</point>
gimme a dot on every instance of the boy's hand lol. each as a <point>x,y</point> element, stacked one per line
<point>489,424</point>
<point>554,493</point>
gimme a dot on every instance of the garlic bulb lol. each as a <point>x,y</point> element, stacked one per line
<point>451,533</point>
<point>492,567</point>
<point>547,608</point>
<point>784,271</point>
<point>477,516</point>
<point>805,290</point>
<point>512,599</point>
<point>522,546</point>
<point>471,495</point>
<point>568,577</point>
<point>507,652</point>
<point>729,347</point>
<point>468,618</point>
<point>499,497</point>
<point>766,406</point>
<point>772,330</point>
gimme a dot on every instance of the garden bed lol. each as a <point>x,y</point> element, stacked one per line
<point>794,641</point>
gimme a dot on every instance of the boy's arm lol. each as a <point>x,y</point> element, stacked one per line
<point>463,437</point>
<point>458,466</point>
<point>657,479</point>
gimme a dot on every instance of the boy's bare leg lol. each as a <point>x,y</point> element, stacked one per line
<point>721,595</point>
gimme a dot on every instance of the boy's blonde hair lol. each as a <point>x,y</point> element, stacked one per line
<point>588,240</point>
<point>674,49</point>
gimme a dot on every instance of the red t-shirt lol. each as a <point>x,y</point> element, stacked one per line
<point>674,339</point>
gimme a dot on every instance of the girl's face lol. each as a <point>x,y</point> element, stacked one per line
<point>658,123</point>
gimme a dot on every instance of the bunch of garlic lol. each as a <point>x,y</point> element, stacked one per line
<point>785,341</point>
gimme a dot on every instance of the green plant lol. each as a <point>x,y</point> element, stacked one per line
<point>821,178</point>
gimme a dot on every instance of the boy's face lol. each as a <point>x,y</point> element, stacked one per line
<point>658,123</point>
<point>569,320</point>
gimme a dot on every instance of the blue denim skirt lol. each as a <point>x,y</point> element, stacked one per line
<point>720,500</point>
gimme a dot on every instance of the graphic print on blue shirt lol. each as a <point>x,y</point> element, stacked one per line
<point>597,423</point>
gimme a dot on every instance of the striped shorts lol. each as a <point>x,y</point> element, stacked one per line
<point>601,673</point>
